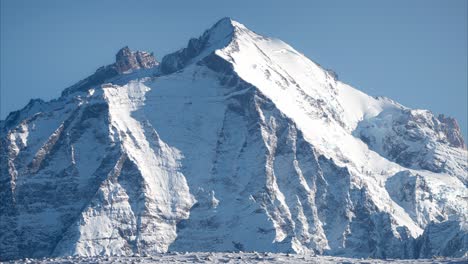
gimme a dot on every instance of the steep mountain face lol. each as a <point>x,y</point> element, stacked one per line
<point>417,139</point>
<point>237,142</point>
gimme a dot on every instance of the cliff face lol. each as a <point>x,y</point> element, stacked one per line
<point>126,60</point>
<point>449,126</point>
<point>236,143</point>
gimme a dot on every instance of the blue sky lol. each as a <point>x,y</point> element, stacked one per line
<point>414,52</point>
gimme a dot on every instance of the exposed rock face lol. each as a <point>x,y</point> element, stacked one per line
<point>450,128</point>
<point>412,192</point>
<point>416,139</point>
<point>241,144</point>
<point>126,61</point>
<point>449,238</point>
<point>220,34</point>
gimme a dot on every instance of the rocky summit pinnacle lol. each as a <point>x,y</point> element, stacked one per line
<point>236,142</point>
<point>126,61</point>
<point>451,129</point>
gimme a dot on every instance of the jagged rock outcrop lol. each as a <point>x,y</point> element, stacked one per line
<point>412,192</point>
<point>126,61</point>
<point>449,238</point>
<point>449,126</point>
<point>236,143</point>
<point>416,139</point>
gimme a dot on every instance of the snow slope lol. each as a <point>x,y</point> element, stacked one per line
<point>237,142</point>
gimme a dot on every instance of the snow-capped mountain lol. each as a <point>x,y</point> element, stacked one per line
<point>237,142</point>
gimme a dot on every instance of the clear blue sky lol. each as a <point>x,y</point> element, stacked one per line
<point>414,52</point>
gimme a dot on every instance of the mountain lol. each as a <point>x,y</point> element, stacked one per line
<point>237,142</point>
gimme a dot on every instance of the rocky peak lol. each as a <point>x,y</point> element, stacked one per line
<point>224,27</point>
<point>217,37</point>
<point>126,60</point>
<point>451,129</point>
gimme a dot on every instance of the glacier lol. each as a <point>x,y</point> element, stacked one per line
<point>237,142</point>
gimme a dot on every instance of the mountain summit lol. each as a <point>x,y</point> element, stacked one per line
<point>217,37</point>
<point>237,142</point>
